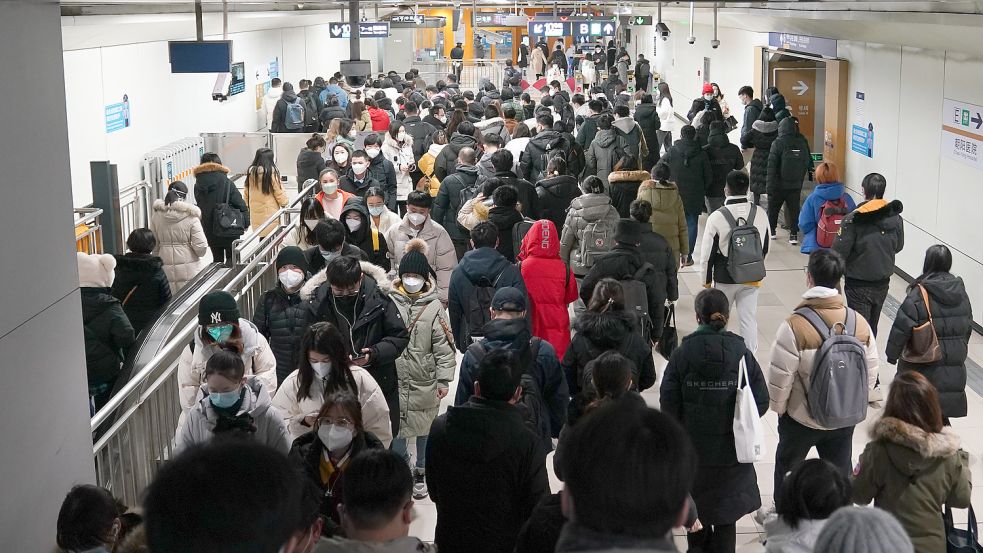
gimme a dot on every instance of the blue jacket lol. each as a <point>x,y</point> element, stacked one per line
<point>809,216</point>
<point>337,91</point>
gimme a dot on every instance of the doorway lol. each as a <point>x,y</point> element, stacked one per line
<point>802,81</point>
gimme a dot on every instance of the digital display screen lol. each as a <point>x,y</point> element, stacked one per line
<point>210,56</point>
<point>238,83</point>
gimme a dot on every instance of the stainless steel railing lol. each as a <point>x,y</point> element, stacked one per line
<point>284,218</point>
<point>88,230</point>
<point>474,71</point>
<point>134,207</point>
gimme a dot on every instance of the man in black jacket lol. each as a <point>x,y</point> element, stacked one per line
<point>690,168</point>
<point>420,131</point>
<point>869,239</point>
<point>752,108</point>
<point>364,314</point>
<point>381,169</point>
<point>279,123</point>
<point>281,314</point>
<point>358,179</point>
<point>533,161</point>
<point>725,157</point>
<point>457,57</point>
<point>311,111</point>
<point>622,263</point>
<point>505,216</point>
<point>647,117</point>
<point>330,234</point>
<point>789,161</point>
<point>447,204</point>
<point>332,110</point>
<point>485,470</point>
<point>588,129</point>
<point>446,163</point>
<point>503,162</point>
<point>437,117</point>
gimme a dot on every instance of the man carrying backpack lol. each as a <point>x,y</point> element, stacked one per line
<point>820,382</point>
<point>420,131</point>
<point>288,115</point>
<point>732,255</point>
<point>544,146</point>
<point>789,161</point>
<point>544,387</point>
<point>311,111</point>
<point>645,291</point>
<point>481,272</point>
<point>448,202</point>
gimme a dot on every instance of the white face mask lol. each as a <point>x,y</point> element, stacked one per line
<point>341,157</point>
<point>708,97</point>
<point>377,210</point>
<point>413,284</point>
<point>353,134</point>
<point>291,278</point>
<point>372,152</point>
<point>416,218</point>
<point>401,136</point>
<point>335,438</point>
<point>322,369</point>
<point>442,118</point>
<point>311,223</point>
<point>359,168</point>
<point>329,187</point>
<point>353,224</point>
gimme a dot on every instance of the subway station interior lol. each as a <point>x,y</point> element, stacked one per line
<point>108,103</point>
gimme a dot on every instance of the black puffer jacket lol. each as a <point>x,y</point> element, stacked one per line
<point>447,204</point>
<point>366,238</point>
<point>657,251</point>
<point>869,238</point>
<point>528,197</point>
<point>143,275</point>
<point>609,331</point>
<point>505,219</point>
<point>724,158</point>
<point>309,166</point>
<point>282,319</point>
<point>690,168</point>
<point>383,171</point>
<point>762,134</point>
<point>211,184</point>
<point>699,389</point>
<point>621,263</point>
<point>532,166</point>
<point>108,335</point>
<point>647,117</point>
<point>952,315</point>
<point>329,113</point>
<point>699,104</point>
<point>446,162</point>
<point>788,172</point>
<point>555,195</point>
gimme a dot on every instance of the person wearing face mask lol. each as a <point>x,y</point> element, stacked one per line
<point>427,366</point>
<point>332,195</point>
<point>382,219</point>
<point>281,315</point>
<point>341,158</point>
<point>380,168</point>
<point>358,179</point>
<point>360,234</point>
<point>323,368</point>
<point>311,213</point>
<point>707,102</point>
<point>324,454</point>
<point>221,328</point>
<point>231,404</point>
<point>397,149</point>
<point>331,243</point>
<point>418,224</point>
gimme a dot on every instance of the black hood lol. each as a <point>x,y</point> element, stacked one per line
<point>755,103</point>
<point>483,262</point>
<point>359,207</point>
<point>459,141</point>
<point>711,352</point>
<point>553,185</point>
<point>507,331</point>
<point>687,147</point>
<point>787,127</point>
<point>546,137</point>
<point>644,110</point>
<point>718,138</point>
<point>504,217</point>
<point>135,263</point>
<point>289,97</point>
<point>477,430</point>
<point>607,330</point>
<point>945,288</point>
<point>95,301</point>
<point>471,170</point>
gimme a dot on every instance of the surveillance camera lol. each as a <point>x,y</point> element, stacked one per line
<point>691,40</point>
<point>714,44</point>
<point>662,30</point>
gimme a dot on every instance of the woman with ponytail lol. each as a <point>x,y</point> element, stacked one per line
<point>180,238</point>
<point>699,389</point>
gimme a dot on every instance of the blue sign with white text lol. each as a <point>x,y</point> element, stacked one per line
<point>118,115</point>
<point>862,140</point>
<point>803,43</point>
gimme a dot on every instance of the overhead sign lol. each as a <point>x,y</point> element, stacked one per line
<point>485,19</point>
<point>962,132</point>
<point>637,20</point>
<point>339,30</point>
<point>408,18</point>
<point>373,29</point>
<point>593,28</point>
<point>549,28</point>
<point>825,47</point>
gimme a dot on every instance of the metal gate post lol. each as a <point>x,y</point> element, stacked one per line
<point>105,195</point>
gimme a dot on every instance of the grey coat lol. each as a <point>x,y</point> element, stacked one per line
<point>583,210</point>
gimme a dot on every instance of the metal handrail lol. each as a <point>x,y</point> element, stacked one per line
<point>241,245</point>
<point>89,241</point>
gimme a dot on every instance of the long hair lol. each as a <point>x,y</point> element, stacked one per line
<point>311,208</point>
<point>914,400</point>
<point>664,92</point>
<point>234,342</point>
<point>608,295</point>
<point>325,339</point>
<point>938,259</point>
<point>264,158</point>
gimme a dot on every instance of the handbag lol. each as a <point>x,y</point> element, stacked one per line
<point>731,123</point>
<point>669,339</point>
<point>961,541</point>
<point>749,434</point>
<point>923,345</point>
<point>227,221</point>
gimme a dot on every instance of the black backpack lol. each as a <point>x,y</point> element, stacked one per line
<point>420,132</point>
<point>227,221</point>
<point>479,304</point>
<point>531,405</point>
<point>519,231</point>
<point>795,162</point>
<point>637,300</point>
<point>558,148</point>
<point>310,111</point>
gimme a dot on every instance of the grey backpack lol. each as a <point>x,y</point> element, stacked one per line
<point>745,253</point>
<point>837,394</point>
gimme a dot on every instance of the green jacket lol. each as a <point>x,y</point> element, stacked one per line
<point>428,362</point>
<point>668,216</point>
<point>911,474</point>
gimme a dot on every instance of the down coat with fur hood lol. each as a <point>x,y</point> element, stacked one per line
<point>668,215</point>
<point>623,189</point>
<point>911,474</point>
<point>180,240</point>
<point>212,183</point>
<point>610,331</point>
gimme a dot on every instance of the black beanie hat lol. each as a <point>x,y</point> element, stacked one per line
<point>415,259</point>
<point>291,255</point>
<point>627,231</point>
<point>218,307</point>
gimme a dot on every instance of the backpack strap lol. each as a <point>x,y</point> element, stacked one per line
<point>642,270</point>
<point>851,322</point>
<point>728,216</point>
<point>750,215</point>
<point>534,343</point>
<point>817,322</point>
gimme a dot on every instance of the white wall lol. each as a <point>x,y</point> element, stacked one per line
<point>166,107</point>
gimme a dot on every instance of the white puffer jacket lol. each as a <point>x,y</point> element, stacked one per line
<point>180,240</point>
<point>256,355</point>
<point>375,410</point>
<point>401,156</point>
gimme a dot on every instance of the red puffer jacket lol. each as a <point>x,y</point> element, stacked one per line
<point>380,119</point>
<point>550,284</point>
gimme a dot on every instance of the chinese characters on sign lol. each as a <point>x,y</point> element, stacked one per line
<point>962,132</point>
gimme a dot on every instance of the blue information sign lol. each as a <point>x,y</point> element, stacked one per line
<point>118,115</point>
<point>862,140</point>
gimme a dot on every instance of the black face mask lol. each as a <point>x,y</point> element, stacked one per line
<point>346,304</point>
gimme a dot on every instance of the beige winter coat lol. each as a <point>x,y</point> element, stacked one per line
<point>537,61</point>
<point>440,254</point>
<point>180,240</point>
<point>792,356</point>
<point>263,206</point>
<point>668,217</point>
<point>256,355</point>
<point>375,411</point>
<point>428,362</point>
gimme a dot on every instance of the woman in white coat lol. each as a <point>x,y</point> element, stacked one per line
<point>397,147</point>
<point>180,238</point>
<point>219,327</point>
<point>324,368</point>
<point>666,115</point>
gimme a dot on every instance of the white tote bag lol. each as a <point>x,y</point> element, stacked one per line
<point>749,434</point>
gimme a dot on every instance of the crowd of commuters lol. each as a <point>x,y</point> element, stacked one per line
<point>554,274</point>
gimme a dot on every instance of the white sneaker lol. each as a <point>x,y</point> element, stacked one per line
<point>793,238</point>
<point>773,235</point>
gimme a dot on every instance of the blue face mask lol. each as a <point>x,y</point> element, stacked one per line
<point>328,256</point>
<point>224,400</point>
<point>220,333</point>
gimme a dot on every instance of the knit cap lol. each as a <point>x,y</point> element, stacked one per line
<point>218,307</point>
<point>862,530</point>
<point>707,88</point>
<point>415,259</point>
<point>291,255</point>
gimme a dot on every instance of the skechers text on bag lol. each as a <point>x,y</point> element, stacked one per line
<point>745,252</point>
<point>838,393</point>
<point>227,221</point>
<point>749,434</point>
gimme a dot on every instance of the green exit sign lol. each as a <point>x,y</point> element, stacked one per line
<point>966,117</point>
<point>817,157</point>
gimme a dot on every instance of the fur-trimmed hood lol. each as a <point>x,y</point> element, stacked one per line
<point>766,127</point>
<point>651,184</point>
<point>875,210</point>
<point>179,210</point>
<point>210,167</point>
<point>911,449</point>
<point>629,176</point>
<point>377,273</point>
<point>607,330</point>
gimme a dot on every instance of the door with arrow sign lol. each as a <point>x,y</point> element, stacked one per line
<point>799,86</point>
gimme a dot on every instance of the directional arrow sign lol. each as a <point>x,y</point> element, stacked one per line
<point>339,30</point>
<point>608,29</point>
<point>978,120</point>
<point>801,88</point>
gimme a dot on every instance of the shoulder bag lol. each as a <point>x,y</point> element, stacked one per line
<point>923,345</point>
